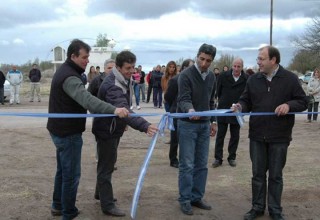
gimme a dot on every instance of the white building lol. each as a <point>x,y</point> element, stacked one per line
<point>97,56</point>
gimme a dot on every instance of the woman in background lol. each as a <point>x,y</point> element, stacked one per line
<point>313,91</point>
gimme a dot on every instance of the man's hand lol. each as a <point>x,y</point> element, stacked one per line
<point>121,112</point>
<point>193,117</point>
<point>236,107</point>
<point>282,109</point>
<point>213,130</point>
<point>152,130</point>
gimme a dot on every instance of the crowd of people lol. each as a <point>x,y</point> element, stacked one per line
<point>187,88</point>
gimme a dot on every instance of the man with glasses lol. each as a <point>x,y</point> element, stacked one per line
<point>273,89</point>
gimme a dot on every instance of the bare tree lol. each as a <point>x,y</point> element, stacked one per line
<point>310,40</point>
<point>304,60</point>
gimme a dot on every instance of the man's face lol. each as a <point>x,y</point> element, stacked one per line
<point>204,61</point>
<point>82,60</point>
<point>108,68</point>
<point>237,67</point>
<point>127,70</point>
<point>266,65</point>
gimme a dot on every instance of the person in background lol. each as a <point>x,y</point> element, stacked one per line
<point>92,74</point>
<point>313,91</point>
<point>156,86</point>
<point>35,77</point>
<point>142,85</point>
<point>94,86</point>
<point>115,89</point>
<point>178,68</point>
<point>196,89</point>
<point>148,79</point>
<point>15,78</point>
<point>171,98</point>
<point>98,70</point>
<point>250,72</point>
<point>84,79</point>
<point>68,95</point>
<point>170,71</point>
<point>2,81</point>
<point>229,88</point>
<point>225,68</point>
<point>135,82</point>
<point>273,89</point>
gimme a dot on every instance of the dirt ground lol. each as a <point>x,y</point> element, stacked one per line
<point>27,160</point>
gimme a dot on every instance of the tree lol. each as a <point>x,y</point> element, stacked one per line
<point>102,41</point>
<point>310,40</point>
<point>304,60</point>
<point>224,60</point>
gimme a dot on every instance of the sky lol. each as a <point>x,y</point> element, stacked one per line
<point>156,31</point>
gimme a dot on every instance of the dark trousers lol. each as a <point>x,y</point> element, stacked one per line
<point>233,142</point>
<point>313,107</point>
<point>1,95</point>
<point>157,96</point>
<point>173,152</point>
<point>107,157</point>
<point>271,158</point>
<point>149,92</point>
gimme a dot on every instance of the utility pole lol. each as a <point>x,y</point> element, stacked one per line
<point>271,21</point>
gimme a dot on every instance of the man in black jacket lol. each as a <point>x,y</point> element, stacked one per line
<point>116,89</point>
<point>229,88</point>
<point>35,77</point>
<point>2,81</point>
<point>68,95</point>
<point>273,89</point>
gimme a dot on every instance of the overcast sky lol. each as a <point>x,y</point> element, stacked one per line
<point>156,31</point>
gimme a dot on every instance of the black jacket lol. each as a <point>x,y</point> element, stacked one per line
<point>117,93</point>
<point>34,75</point>
<point>2,79</point>
<point>263,96</point>
<point>228,92</point>
<point>171,94</point>
<point>60,102</point>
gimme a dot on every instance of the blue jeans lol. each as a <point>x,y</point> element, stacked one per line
<point>271,158</point>
<point>136,89</point>
<point>68,153</point>
<point>194,140</point>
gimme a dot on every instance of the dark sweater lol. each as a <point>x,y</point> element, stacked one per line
<point>195,93</point>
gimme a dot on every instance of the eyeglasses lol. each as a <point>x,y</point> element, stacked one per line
<point>259,59</point>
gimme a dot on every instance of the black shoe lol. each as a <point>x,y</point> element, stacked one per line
<point>97,197</point>
<point>186,208</point>
<point>253,214</point>
<point>201,205</point>
<point>56,212</point>
<point>277,216</point>
<point>216,163</point>
<point>232,163</point>
<point>115,211</point>
<point>174,164</point>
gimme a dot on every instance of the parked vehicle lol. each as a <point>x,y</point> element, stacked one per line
<point>6,88</point>
<point>306,77</point>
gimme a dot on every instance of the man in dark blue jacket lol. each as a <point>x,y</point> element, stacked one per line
<point>35,77</point>
<point>273,89</point>
<point>115,89</point>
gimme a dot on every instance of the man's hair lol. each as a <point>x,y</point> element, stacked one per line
<point>108,61</point>
<point>185,64</point>
<point>75,46</point>
<point>207,49</point>
<point>97,67</point>
<point>125,57</point>
<point>273,52</point>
